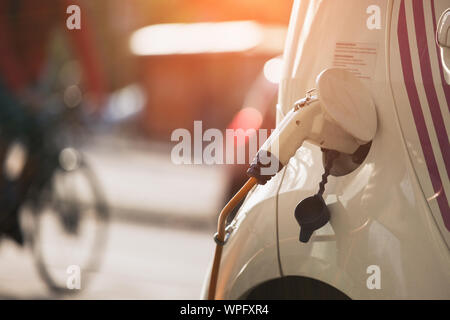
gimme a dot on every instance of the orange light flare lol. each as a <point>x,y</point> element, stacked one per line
<point>247,118</point>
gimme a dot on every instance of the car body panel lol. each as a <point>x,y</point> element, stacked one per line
<point>383,213</point>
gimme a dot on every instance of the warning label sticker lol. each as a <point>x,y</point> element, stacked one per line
<point>358,58</point>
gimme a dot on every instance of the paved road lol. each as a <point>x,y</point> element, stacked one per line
<point>142,261</point>
<point>160,240</point>
<point>140,179</point>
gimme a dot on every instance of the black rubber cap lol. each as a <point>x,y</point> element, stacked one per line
<point>311,214</point>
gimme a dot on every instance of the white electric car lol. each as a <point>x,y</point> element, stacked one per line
<point>388,236</point>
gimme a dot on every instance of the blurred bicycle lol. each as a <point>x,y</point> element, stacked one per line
<point>45,179</point>
<point>64,211</point>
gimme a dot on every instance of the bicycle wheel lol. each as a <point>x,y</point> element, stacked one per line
<point>68,226</point>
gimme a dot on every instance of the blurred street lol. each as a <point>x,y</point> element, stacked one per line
<point>119,85</point>
<point>141,262</point>
<point>156,248</point>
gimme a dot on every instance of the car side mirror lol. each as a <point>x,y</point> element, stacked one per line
<point>443,41</point>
